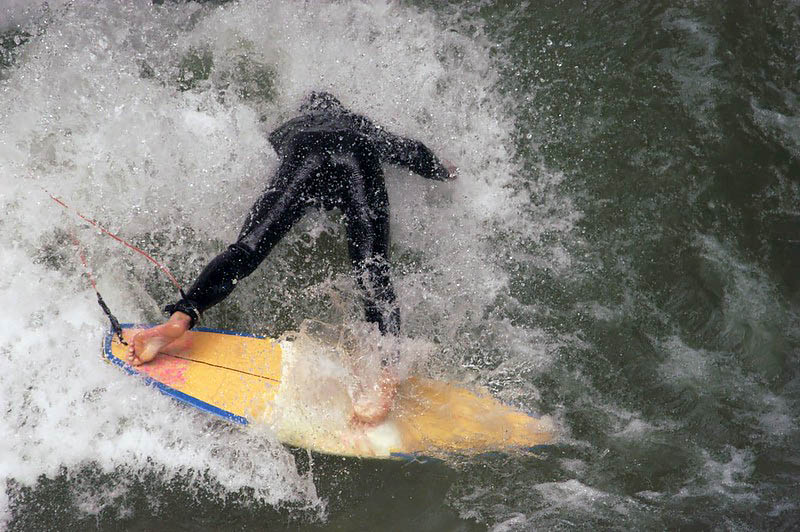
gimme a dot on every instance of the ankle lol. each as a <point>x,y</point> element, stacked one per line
<point>177,324</point>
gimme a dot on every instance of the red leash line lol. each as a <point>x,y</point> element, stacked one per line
<point>115,325</point>
<point>120,240</point>
<point>85,262</point>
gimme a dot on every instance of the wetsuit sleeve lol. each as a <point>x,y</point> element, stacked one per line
<point>407,153</point>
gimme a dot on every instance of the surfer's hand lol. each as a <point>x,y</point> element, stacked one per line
<point>452,169</point>
<point>148,343</point>
<point>373,407</point>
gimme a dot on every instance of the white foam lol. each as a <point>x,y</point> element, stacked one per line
<point>574,494</point>
<point>784,127</point>
<point>22,13</point>
<point>726,477</point>
<point>694,64</point>
<point>91,112</point>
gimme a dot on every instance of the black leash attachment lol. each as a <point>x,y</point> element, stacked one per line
<point>115,326</point>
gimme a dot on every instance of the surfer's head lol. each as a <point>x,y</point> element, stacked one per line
<point>321,101</point>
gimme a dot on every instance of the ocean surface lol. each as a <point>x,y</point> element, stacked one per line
<point>621,252</point>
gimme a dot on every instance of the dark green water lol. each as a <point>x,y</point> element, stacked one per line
<point>622,252</point>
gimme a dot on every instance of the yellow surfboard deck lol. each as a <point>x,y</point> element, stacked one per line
<point>303,397</point>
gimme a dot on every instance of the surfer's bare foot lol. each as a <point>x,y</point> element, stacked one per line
<point>373,407</point>
<point>148,343</point>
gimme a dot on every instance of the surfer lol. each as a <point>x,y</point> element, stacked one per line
<point>330,158</point>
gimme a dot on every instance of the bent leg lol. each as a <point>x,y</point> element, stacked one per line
<point>270,218</point>
<point>366,209</point>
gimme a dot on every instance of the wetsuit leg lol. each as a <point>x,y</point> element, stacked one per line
<point>366,210</point>
<point>273,214</point>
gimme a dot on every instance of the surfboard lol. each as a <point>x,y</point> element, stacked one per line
<point>300,391</point>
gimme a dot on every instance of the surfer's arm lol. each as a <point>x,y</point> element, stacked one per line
<point>411,154</point>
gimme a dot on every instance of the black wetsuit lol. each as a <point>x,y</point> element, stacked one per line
<point>330,157</point>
